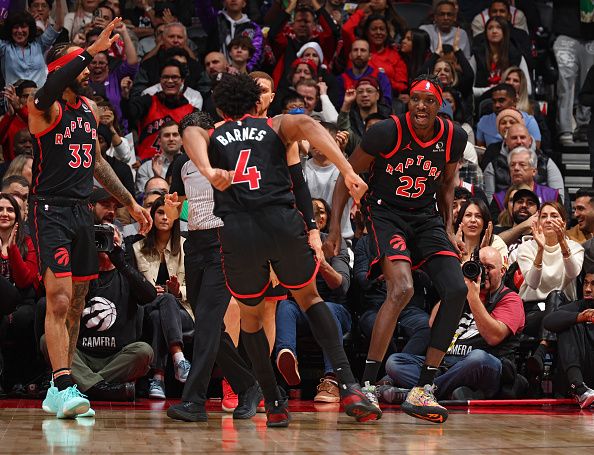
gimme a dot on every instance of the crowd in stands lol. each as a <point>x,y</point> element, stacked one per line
<point>519,84</point>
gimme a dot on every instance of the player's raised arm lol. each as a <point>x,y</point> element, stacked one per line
<point>195,140</point>
<point>302,127</point>
<point>64,70</point>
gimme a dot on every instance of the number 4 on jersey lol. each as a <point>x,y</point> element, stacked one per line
<point>244,173</point>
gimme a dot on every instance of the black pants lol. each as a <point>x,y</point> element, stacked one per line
<point>168,321</point>
<point>576,349</point>
<point>10,297</point>
<point>209,298</point>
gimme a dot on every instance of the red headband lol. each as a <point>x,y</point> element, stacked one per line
<point>65,59</point>
<point>427,86</point>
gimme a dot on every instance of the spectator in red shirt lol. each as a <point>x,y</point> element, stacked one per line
<point>16,117</point>
<point>384,55</point>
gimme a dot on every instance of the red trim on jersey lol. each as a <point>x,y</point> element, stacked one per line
<point>37,240</point>
<point>269,122</point>
<point>34,188</point>
<point>299,286</point>
<point>438,253</point>
<point>246,296</point>
<point>448,149</point>
<point>276,298</point>
<point>75,106</point>
<point>53,125</point>
<point>210,131</point>
<point>233,293</point>
<point>85,277</point>
<point>417,140</point>
<point>88,103</point>
<point>399,132</point>
<point>62,274</point>
<point>399,257</point>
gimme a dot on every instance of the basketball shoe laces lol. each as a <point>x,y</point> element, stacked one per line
<point>424,396</point>
<point>73,392</point>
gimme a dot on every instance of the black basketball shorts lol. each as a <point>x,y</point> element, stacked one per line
<point>64,237</point>
<point>251,242</point>
<point>411,236</point>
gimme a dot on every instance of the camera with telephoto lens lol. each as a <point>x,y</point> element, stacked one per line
<point>104,234</point>
<point>473,268</point>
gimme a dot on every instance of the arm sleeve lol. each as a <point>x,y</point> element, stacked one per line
<point>177,184</point>
<point>302,195</point>
<point>24,270</point>
<point>328,110</point>
<point>510,311</point>
<point>524,68</point>
<point>467,76</point>
<point>489,175</point>
<point>554,177</point>
<point>361,263</point>
<point>381,138</point>
<point>58,80</point>
<point>532,127</point>
<point>573,264</point>
<point>562,319</point>
<point>48,37</point>
<point>140,287</point>
<point>142,175</point>
<point>123,151</point>
<point>340,264</point>
<point>136,107</point>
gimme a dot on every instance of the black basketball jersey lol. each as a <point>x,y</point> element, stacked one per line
<point>258,156</point>
<point>64,154</point>
<point>406,170</point>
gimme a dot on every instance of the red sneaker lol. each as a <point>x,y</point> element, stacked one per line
<point>229,402</point>
<point>286,362</point>
<point>277,413</point>
<point>357,405</point>
<point>261,407</point>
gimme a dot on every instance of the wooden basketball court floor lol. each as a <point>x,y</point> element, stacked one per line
<point>143,428</point>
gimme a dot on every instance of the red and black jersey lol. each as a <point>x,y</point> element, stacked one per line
<point>405,172</point>
<point>258,156</point>
<point>64,153</point>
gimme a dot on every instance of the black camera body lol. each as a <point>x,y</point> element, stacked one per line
<point>104,234</point>
<point>473,268</point>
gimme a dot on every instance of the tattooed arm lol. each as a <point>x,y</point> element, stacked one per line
<point>105,174</point>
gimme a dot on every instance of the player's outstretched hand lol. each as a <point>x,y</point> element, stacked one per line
<point>331,246</point>
<point>356,186</point>
<point>105,39</point>
<point>220,178</point>
<point>313,237</point>
<point>143,217</point>
<point>172,205</point>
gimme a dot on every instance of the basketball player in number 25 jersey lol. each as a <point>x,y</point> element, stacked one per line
<point>412,161</point>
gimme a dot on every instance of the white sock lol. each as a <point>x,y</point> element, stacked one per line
<point>178,357</point>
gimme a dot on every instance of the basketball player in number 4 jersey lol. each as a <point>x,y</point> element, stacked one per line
<point>262,226</point>
<point>412,161</point>
<point>66,156</point>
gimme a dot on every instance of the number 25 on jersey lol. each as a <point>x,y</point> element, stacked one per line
<point>246,174</point>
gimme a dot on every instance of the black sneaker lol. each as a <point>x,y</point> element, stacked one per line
<point>247,403</point>
<point>277,413</point>
<point>188,412</point>
<point>357,405</point>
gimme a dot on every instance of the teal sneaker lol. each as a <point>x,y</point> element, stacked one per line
<point>89,413</point>
<point>50,404</point>
<point>71,403</point>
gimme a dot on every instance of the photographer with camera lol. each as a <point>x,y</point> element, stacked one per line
<point>109,357</point>
<point>492,317</point>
